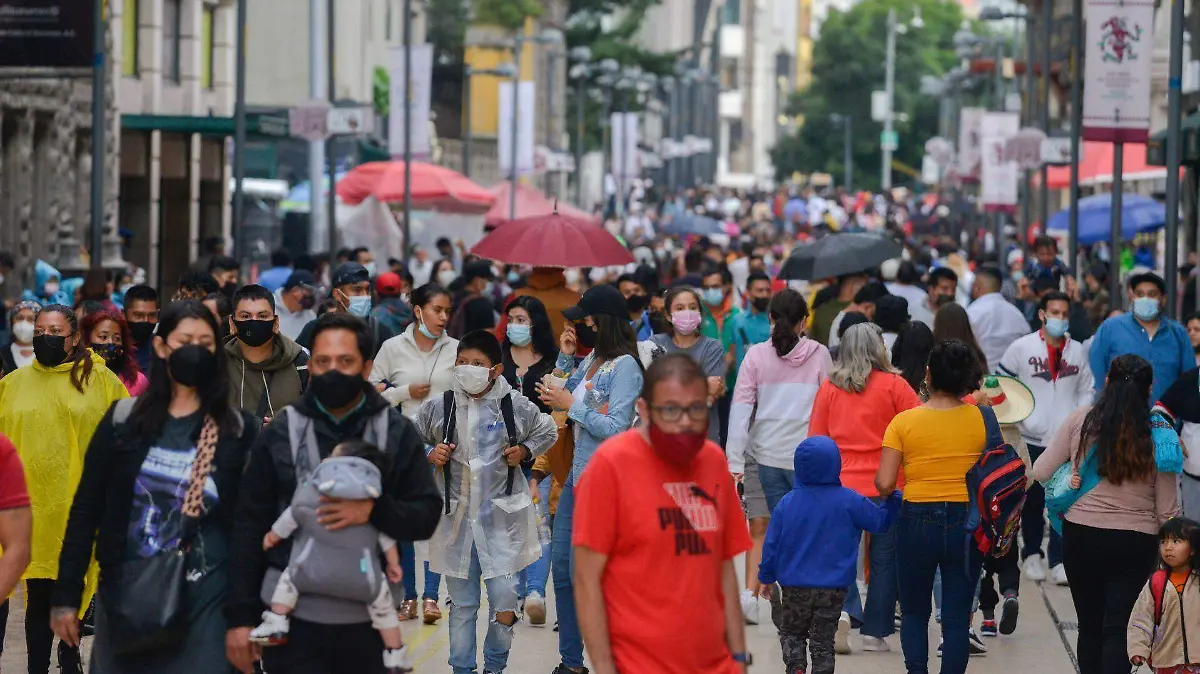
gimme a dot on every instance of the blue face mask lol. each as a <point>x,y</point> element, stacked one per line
<point>1146,308</point>
<point>712,296</point>
<point>360,306</point>
<point>513,277</point>
<point>520,335</point>
<point>1056,327</point>
<point>425,331</point>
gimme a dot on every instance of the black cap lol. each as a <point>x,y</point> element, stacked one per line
<point>601,299</point>
<point>891,312</point>
<point>477,269</point>
<point>1148,277</point>
<point>300,277</point>
<point>349,272</point>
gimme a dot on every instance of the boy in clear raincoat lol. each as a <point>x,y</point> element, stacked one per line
<point>488,531</point>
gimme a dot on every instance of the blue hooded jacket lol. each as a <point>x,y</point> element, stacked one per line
<point>42,273</point>
<point>813,537</point>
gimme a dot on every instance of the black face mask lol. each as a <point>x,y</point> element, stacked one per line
<point>307,301</point>
<point>229,289</point>
<point>141,331</point>
<point>255,332</point>
<point>659,323</point>
<point>192,365</point>
<point>109,352</point>
<point>50,350</point>
<point>636,303</point>
<point>761,304</point>
<point>585,335</point>
<point>336,389</point>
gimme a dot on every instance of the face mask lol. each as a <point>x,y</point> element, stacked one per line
<point>1056,327</point>
<point>359,306</point>
<point>1145,308</point>
<point>520,335</point>
<point>335,389</point>
<point>50,350</point>
<point>109,352</point>
<point>1018,275</point>
<point>585,335</point>
<point>658,323</point>
<point>124,289</point>
<point>685,322</point>
<point>446,277</point>
<point>229,289</point>
<point>636,303</point>
<point>255,332</point>
<point>370,267</point>
<point>307,302</point>
<point>513,277</point>
<point>678,449</point>
<point>141,331</point>
<point>488,289</point>
<point>192,365</point>
<point>50,289</point>
<point>23,331</point>
<point>472,379</point>
<point>760,304</point>
<point>572,277</point>
<point>423,329</point>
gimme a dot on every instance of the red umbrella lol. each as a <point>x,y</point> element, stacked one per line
<point>433,187</point>
<point>553,241</point>
<point>530,202</point>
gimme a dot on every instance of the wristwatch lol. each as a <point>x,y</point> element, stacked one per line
<point>744,658</point>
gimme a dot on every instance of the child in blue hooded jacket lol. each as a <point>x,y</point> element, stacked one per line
<point>811,551</point>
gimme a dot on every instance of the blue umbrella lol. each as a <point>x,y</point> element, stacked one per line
<point>297,200</point>
<point>1138,215</point>
<point>689,223</point>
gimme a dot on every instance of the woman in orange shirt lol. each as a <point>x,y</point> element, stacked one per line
<point>854,407</point>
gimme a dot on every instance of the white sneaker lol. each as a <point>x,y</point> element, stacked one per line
<point>535,609</point>
<point>272,632</point>
<point>750,607</point>
<point>841,642</point>
<point>875,645</point>
<point>1033,568</point>
<point>1060,575</point>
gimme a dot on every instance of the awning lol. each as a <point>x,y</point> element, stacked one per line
<point>257,124</point>
<point>1096,168</point>
<point>1156,149</point>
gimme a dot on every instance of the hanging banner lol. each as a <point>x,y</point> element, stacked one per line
<point>624,138</point>
<point>969,141</point>
<point>998,175</point>
<point>418,95</point>
<point>46,34</point>
<point>1116,75</point>
<point>525,112</point>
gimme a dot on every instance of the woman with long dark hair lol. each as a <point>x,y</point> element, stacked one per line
<point>107,334</point>
<point>131,505</point>
<point>951,322</point>
<point>1110,533</point>
<point>49,410</point>
<point>683,314</point>
<point>910,355</point>
<point>599,394</point>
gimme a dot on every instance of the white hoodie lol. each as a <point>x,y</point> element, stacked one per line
<point>401,362</point>
<point>1027,359</point>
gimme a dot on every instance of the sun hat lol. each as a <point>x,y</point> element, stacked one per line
<point>1011,399</point>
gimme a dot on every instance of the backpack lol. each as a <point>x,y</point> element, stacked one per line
<point>450,419</point>
<point>1159,581</point>
<point>996,489</point>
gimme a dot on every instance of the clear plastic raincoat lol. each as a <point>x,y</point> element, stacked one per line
<point>502,528</point>
<point>51,423</point>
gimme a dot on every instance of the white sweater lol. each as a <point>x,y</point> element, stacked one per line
<point>1027,359</point>
<point>400,362</point>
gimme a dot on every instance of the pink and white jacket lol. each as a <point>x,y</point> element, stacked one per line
<point>773,402</point>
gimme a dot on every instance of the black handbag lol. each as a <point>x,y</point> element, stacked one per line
<point>144,600</point>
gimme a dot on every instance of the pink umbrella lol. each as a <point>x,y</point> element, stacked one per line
<point>553,241</point>
<point>433,187</point>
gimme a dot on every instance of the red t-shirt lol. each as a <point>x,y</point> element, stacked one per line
<point>13,493</point>
<point>667,532</point>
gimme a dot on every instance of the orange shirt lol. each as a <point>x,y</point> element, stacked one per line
<point>856,422</point>
<point>667,532</point>
<point>1179,579</point>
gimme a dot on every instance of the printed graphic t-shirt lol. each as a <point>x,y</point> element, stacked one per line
<point>666,532</point>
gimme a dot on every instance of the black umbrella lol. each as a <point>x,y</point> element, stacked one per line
<point>837,255</point>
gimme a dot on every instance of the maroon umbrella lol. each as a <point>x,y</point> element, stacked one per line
<point>553,241</point>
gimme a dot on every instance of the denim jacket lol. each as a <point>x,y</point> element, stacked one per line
<point>607,409</point>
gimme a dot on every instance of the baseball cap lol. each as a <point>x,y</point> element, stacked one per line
<point>388,283</point>
<point>601,299</point>
<point>349,272</point>
<point>1148,277</point>
<point>477,269</point>
<point>300,277</point>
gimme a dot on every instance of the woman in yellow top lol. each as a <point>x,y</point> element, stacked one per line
<point>936,443</point>
<point>50,410</point>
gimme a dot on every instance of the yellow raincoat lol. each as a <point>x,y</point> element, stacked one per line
<point>51,423</point>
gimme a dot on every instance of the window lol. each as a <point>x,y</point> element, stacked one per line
<point>206,47</point>
<point>729,73</point>
<point>129,39</point>
<point>170,40</point>
<point>733,13</point>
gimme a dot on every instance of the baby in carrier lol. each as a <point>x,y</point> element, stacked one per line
<point>343,563</point>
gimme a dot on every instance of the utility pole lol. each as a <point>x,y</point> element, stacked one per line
<point>239,135</point>
<point>331,160</point>
<point>1174,137</point>
<point>1076,132</point>
<point>847,158</point>
<point>406,226</point>
<point>890,90</point>
<point>518,45</point>
<point>316,92</point>
<point>99,125</point>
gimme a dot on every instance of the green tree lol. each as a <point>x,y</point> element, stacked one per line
<point>848,64</point>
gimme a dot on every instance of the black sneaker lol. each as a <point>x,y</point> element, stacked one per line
<point>563,669</point>
<point>977,646</point>
<point>1008,613</point>
<point>69,660</point>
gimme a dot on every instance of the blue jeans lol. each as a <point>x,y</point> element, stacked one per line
<point>879,619</point>
<point>408,564</point>
<point>776,482</point>
<point>562,563</point>
<point>464,612</point>
<point>535,576</point>
<point>932,537</point>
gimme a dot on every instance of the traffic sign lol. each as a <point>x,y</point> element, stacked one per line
<point>889,140</point>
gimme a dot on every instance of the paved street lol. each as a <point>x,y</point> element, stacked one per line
<point>1035,648</point>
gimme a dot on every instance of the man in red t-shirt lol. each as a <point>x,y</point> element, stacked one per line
<point>657,525</point>
<point>16,523</point>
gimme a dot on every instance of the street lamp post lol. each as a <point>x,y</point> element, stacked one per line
<point>847,159</point>
<point>893,27</point>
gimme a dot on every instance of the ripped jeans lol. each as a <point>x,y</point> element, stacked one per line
<point>464,612</point>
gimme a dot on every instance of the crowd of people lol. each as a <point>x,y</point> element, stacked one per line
<point>241,471</point>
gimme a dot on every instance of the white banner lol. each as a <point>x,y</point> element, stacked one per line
<point>1116,75</point>
<point>418,96</point>
<point>624,127</point>
<point>969,141</point>
<point>525,113</point>
<point>998,177</point>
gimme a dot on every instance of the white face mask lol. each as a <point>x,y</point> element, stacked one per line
<point>50,289</point>
<point>446,277</point>
<point>23,331</point>
<point>472,379</point>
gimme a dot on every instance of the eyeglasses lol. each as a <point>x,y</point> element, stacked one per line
<point>672,413</point>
